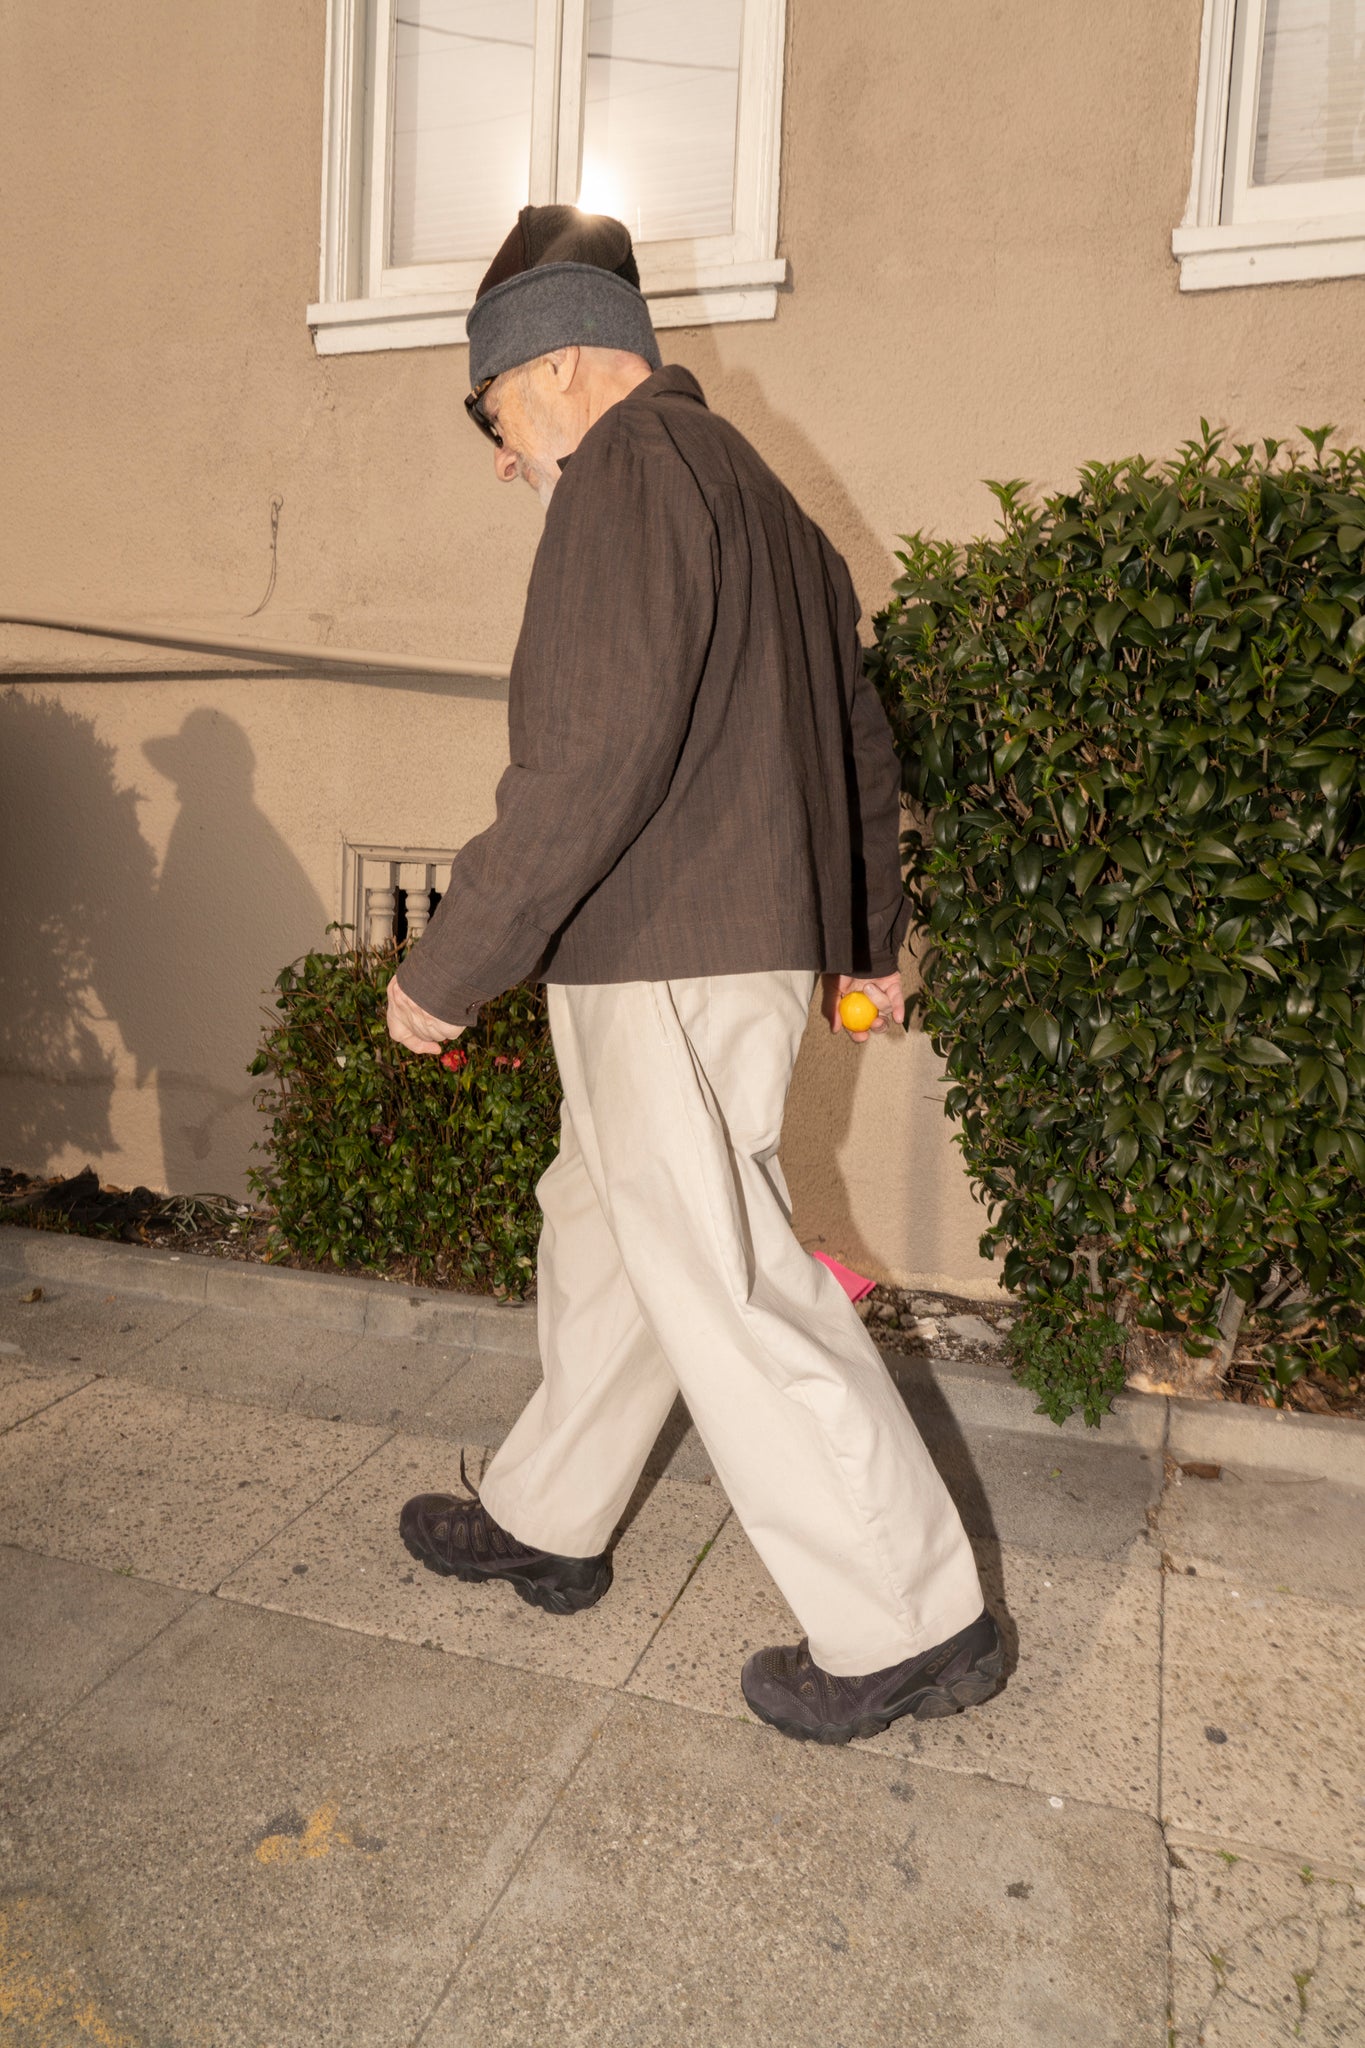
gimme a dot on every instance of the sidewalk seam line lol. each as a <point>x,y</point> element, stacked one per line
<point>307,1509</point>
<point>48,1406</point>
<point>50,1728</point>
<point>695,1566</point>
<point>476,1934</point>
<point>1329,1869</point>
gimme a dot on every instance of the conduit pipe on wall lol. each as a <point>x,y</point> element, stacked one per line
<point>261,650</point>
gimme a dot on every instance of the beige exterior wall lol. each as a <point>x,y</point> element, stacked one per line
<point>976,206</point>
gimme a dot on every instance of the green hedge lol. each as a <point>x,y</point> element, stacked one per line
<point>1133,721</point>
<point>383,1159</point>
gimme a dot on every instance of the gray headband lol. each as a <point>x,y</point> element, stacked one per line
<point>557,305</point>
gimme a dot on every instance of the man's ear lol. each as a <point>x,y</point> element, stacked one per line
<point>564,365</point>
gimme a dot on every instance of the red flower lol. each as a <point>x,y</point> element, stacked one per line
<point>500,1059</point>
<point>516,1063</point>
<point>454,1059</point>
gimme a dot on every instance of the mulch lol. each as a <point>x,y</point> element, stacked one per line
<point>909,1320</point>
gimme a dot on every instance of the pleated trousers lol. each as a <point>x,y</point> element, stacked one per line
<point>667,1263</point>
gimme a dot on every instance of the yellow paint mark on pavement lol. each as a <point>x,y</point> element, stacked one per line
<point>43,2002</point>
<point>318,1836</point>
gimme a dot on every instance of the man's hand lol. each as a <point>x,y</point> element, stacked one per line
<point>415,1028</point>
<point>885,991</point>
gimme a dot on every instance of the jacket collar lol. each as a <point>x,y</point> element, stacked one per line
<point>672,381</point>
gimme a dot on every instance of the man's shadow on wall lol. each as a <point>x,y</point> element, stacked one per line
<point>79,885</point>
<point>180,962</point>
<point>233,906</point>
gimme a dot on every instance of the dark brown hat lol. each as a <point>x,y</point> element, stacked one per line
<point>561,278</point>
<point>561,234</point>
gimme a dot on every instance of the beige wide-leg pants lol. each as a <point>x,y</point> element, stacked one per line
<point>667,1261</point>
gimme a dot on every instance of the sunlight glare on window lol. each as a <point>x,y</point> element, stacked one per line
<point>1310,112</point>
<point>659,130</point>
<point>599,191</point>
<point>461,126</point>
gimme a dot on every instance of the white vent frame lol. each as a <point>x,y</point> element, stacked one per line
<point>371,871</point>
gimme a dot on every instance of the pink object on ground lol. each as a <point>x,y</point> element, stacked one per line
<point>853,1284</point>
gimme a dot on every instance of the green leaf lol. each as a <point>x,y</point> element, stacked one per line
<point>1259,1052</point>
<point>1125,1153</point>
<point>1349,538</point>
<point>1249,888</point>
<point>1086,866</point>
<point>1109,1040</point>
<point>1027,870</point>
<point>1325,615</point>
<point>1158,610</point>
<point>1045,1032</point>
<point>1193,790</point>
<point>1107,620</point>
<point>1009,752</point>
<point>1209,848</point>
<point>1152,1117</point>
<point>1336,778</point>
<point>1355,638</point>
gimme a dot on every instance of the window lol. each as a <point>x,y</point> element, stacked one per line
<point>444,117</point>
<point>1278,191</point>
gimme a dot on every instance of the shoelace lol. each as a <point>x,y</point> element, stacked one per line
<point>487,1538</point>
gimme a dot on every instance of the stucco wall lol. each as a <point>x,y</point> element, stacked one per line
<point>976,206</point>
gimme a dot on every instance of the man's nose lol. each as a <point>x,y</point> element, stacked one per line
<point>505,465</point>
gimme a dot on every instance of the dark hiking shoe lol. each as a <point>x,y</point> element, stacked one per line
<point>460,1539</point>
<point>787,1688</point>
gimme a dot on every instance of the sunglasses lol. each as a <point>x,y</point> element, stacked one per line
<point>473,405</point>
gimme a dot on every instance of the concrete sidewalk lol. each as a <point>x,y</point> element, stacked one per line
<point>268,1783</point>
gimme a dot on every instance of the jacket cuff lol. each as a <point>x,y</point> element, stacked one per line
<point>886,959</point>
<point>438,999</point>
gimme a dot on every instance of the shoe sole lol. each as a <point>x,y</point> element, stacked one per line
<point>550,1599</point>
<point>929,1703</point>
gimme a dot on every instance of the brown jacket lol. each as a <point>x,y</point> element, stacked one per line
<point>702,779</point>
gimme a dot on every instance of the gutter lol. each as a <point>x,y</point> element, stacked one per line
<point>261,650</point>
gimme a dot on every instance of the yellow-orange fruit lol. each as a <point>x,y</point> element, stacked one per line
<point>857,1011</point>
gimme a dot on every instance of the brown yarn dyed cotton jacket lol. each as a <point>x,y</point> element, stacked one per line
<point>702,779</point>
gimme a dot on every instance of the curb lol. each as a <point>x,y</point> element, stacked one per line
<point>980,1397</point>
<point>352,1303</point>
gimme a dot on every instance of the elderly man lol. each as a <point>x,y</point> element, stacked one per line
<point>700,819</point>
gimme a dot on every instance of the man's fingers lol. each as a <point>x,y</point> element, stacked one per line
<point>411,1026</point>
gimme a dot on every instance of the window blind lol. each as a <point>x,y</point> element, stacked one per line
<point>659,126</point>
<point>1310,109</point>
<point>461,164</point>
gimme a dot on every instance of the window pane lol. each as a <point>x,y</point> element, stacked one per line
<point>461,126</point>
<point>1310,113</point>
<point>659,126</point>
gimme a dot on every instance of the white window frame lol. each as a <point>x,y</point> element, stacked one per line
<point>364,304</point>
<point>1234,233</point>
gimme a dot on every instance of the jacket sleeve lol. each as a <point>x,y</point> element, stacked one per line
<point>881,909</point>
<point>619,616</point>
